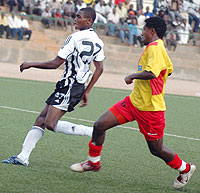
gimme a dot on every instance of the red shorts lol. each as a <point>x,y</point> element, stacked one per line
<point>151,123</point>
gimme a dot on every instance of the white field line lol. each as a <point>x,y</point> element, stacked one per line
<point>90,121</point>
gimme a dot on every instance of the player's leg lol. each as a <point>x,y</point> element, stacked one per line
<point>157,148</point>
<point>31,139</point>
<point>106,121</point>
<point>116,115</point>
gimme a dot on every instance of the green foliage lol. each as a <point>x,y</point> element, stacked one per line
<point>128,167</point>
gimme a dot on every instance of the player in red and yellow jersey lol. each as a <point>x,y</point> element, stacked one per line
<point>145,104</point>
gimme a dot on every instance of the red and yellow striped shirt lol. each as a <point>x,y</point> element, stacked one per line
<point>148,95</point>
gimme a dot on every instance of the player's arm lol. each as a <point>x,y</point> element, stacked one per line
<point>52,64</point>
<point>144,75</point>
<point>97,73</point>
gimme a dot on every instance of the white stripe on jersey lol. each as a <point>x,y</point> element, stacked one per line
<point>79,50</point>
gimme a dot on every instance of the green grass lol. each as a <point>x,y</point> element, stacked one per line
<point>128,167</point>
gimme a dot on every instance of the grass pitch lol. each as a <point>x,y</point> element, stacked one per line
<point>128,166</point>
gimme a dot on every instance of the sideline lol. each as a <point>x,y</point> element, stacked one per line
<point>90,121</point>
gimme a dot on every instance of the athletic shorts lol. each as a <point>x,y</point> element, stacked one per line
<point>151,123</point>
<point>66,98</point>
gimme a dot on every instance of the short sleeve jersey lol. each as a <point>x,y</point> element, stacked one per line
<point>79,50</point>
<point>148,95</point>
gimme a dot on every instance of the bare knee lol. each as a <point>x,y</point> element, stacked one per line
<point>50,125</point>
<point>99,126</point>
<point>40,121</point>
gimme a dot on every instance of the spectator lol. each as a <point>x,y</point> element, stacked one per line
<point>100,9</point>
<point>126,4</point>
<point>113,20</point>
<point>15,26</point>
<point>124,32</point>
<point>122,11</point>
<point>140,21</point>
<point>12,4</point>
<point>79,5</point>
<point>171,40</point>
<point>109,7</point>
<point>58,19</point>
<point>173,10</point>
<point>131,10</point>
<point>136,34</point>
<point>35,7</point>
<point>4,26</point>
<point>25,27</point>
<point>148,14</point>
<point>162,5</point>
<point>47,18</point>
<point>184,32</point>
<point>54,5</point>
<point>69,8</point>
<point>68,20</point>
<point>193,15</point>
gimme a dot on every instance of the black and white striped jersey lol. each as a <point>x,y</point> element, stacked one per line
<point>79,50</point>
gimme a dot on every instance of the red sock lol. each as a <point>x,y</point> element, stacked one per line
<point>175,163</point>
<point>94,150</point>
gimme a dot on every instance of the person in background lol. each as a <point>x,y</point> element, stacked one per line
<point>124,32</point>
<point>47,19</point>
<point>58,19</point>
<point>15,26</point>
<point>25,27</point>
<point>4,27</point>
<point>148,14</point>
<point>113,20</point>
<point>134,30</point>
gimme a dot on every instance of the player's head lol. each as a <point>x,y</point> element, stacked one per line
<point>154,28</point>
<point>85,18</point>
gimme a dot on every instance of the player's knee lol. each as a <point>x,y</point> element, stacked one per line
<point>40,121</point>
<point>49,125</point>
<point>155,152</point>
<point>98,125</point>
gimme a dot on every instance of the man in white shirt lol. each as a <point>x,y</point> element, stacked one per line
<point>25,27</point>
<point>78,52</point>
<point>15,26</point>
<point>113,20</point>
<point>100,9</point>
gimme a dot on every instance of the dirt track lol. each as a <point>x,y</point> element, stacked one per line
<point>107,80</point>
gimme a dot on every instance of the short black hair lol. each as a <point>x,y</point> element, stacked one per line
<point>89,12</point>
<point>158,24</point>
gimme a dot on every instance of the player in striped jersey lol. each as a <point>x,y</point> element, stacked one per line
<point>78,52</point>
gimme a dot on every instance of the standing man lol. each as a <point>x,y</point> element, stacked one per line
<point>79,50</point>
<point>145,104</point>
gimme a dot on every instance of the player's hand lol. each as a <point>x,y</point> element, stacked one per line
<point>24,66</point>
<point>84,100</point>
<point>128,80</point>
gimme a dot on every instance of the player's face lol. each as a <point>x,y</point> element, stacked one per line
<point>147,35</point>
<point>81,22</point>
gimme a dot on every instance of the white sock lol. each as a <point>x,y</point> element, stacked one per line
<point>73,129</point>
<point>32,137</point>
<point>183,166</point>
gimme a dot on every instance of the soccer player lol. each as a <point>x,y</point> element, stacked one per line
<point>79,50</point>
<point>145,104</point>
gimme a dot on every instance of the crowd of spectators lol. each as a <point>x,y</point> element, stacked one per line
<point>14,27</point>
<point>118,17</point>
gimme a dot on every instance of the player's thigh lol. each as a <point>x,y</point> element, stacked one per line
<point>53,115</point>
<point>106,121</point>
